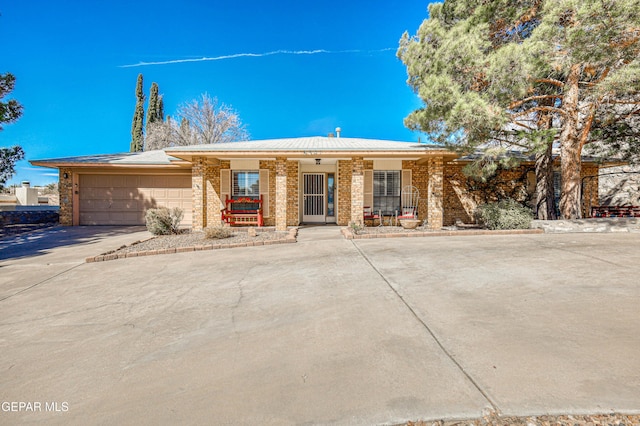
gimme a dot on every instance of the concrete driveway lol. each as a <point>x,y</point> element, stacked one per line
<point>323,331</point>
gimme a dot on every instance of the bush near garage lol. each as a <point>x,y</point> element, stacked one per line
<point>504,214</point>
<point>164,221</point>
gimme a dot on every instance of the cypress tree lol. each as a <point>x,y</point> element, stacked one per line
<point>160,108</point>
<point>137,137</point>
<point>154,106</point>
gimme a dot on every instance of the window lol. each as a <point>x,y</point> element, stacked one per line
<point>386,191</point>
<point>331,181</point>
<point>246,184</point>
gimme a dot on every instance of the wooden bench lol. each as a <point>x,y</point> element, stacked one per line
<point>615,211</point>
<point>243,211</point>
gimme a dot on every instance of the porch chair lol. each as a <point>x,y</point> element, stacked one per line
<point>368,214</point>
<point>408,203</point>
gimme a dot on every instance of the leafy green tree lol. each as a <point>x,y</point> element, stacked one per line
<point>523,74</point>
<point>137,126</point>
<point>10,110</point>
<point>8,159</point>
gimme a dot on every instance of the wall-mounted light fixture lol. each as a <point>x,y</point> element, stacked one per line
<point>317,161</point>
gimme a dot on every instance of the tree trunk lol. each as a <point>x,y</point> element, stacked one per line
<point>570,149</point>
<point>545,200</point>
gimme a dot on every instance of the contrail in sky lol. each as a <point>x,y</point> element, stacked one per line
<point>255,55</point>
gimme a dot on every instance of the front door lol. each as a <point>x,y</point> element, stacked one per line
<point>313,198</point>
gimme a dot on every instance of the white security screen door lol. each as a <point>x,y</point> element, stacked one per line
<point>313,198</point>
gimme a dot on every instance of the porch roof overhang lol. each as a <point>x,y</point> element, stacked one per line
<point>311,147</point>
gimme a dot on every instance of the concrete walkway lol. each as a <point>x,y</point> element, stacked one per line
<point>324,331</point>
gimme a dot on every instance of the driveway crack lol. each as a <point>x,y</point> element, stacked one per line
<point>41,282</point>
<point>494,406</point>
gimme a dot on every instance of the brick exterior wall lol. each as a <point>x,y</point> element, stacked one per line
<point>435,197</point>
<point>205,182</point>
<point>463,194</point>
<point>212,179</point>
<point>65,186</point>
<point>281,194</point>
<point>344,192</point>
<point>293,208</point>
<point>590,198</point>
<point>199,192</point>
<point>357,190</point>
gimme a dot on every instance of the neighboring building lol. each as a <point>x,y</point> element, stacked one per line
<point>301,180</point>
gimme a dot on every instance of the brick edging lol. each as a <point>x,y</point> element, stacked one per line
<point>351,236</point>
<point>291,238</point>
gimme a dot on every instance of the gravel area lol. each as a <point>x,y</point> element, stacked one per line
<point>401,230</point>
<point>391,230</point>
<point>191,239</point>
<point>567,420</point>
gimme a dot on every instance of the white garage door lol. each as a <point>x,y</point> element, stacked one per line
<point>124,199</point>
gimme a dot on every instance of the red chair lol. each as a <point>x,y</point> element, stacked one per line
<point>368,214</point>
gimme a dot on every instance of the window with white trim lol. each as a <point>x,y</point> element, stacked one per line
<point>386,191</point>
<point>246,184</point>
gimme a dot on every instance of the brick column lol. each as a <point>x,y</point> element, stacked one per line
<point>281,194</point>
<point>212,179</point>
<point>65,187</point>
<point>435,211</point>
<point>357,190</point>
<point>205,184</point>
<point>293,211</point>
<point>199,188</point>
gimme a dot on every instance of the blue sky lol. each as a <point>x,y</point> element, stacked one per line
<point>72,60</point>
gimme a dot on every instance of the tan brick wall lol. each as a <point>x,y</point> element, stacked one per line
<point>293,195</point>
<point>589,175</point>
<point>199,193</point>
<point>344,192</point>
<point>281,194</point>
<point>357,190</point>
<point>463,194</point>
<point>212,180</point>
<point>205,182</point>
<point>435,197</point>
<point>65,187</point>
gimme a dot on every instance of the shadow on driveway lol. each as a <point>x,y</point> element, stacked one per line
<point>43,241</point>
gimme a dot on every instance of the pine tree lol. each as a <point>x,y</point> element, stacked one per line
<point>11,110</point>
<point>524,73</point>
<point>137,126</point>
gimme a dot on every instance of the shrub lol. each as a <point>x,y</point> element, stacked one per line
<point>164,221</point>
<point>356,228</point>
<point>505,214</point>
<point>217,232</point>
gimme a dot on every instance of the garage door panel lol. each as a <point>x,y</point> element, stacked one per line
<point>124,199</point>
<point>94,205</point>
